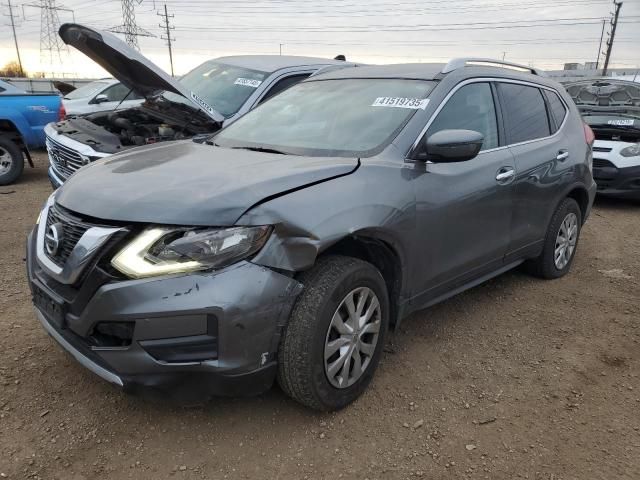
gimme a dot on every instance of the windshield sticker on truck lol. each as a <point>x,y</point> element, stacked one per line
<point>621,123</point>
<point>399,102</point>
<point>248,82</point>
<point>202,103</point>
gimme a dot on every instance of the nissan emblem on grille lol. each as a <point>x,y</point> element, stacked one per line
<point>53,238</point>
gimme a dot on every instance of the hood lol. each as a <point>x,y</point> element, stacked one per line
<point>605,95</point>
<point>186,183</point>
<point>128,65</point>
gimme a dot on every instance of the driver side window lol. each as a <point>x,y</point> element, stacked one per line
<point>470,108</point>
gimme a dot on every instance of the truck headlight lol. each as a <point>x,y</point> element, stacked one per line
<point>163,251</point>
<point>631,150</point>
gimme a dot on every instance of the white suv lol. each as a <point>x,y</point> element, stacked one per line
<point>611,108</point>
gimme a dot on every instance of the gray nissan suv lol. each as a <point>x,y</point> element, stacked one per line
<point>286,245</point>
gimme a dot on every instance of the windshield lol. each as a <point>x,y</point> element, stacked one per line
<point>342,117</point>
<point>223,87</point>
<point>88,90</point>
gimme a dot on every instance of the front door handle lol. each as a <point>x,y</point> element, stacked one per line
<point>562,155</point>
<point>505,174</point>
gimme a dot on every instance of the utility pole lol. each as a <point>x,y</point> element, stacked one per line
<point>168,29</point>
<point>129,27</point>
<point>15,37</point>
<point>614,24</point>
<point>600,46</point>
<point>281,48</point>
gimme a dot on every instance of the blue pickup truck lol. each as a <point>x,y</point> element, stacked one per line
<point>23,117</point>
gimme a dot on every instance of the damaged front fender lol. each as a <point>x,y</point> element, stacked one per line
<point>305,227</point>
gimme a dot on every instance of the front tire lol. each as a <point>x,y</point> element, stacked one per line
<point>11,161</point>
<point>561,242</point>
<point>332,344</point>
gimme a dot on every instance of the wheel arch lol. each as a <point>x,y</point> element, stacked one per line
<point>9,130</point>
<point>581,196</point>
<point>381,254</point>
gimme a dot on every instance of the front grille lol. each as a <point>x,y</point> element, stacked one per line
<point>601,163</point>
<point>65,160</point>
<point>73,228</point>
<point>602,149</point>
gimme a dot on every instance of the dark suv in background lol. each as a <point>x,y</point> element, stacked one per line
<point>287,244</point>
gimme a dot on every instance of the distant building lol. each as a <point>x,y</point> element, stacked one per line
<point>576,71</point>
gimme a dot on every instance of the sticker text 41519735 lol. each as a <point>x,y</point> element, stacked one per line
<point>400,102</point>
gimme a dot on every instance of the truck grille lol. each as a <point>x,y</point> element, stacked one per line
<point>601,163</point>
<point>64,159</point>
<point>73,229</point>
<point>602,149</point>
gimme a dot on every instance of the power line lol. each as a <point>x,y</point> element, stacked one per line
<point>600,46</point>
<point>15,38</point>
<point>168,37</point>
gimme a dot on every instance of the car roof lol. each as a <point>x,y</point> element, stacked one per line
<point>272,63</point>
<point>418,71</point>
<point>434,72</point>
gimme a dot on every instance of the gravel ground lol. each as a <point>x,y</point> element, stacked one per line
<point>517,378</point>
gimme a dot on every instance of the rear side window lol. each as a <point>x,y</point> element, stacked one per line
<point>526,113</point>
<point>557,108</point>
<point>470,108</point>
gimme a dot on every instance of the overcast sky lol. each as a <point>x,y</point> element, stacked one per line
<point>544,33</point>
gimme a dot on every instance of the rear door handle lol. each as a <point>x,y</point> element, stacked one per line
<point>562,155</point>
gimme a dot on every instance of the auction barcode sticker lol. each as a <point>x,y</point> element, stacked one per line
<point>621,123</point>
<point>248,82</point>
<point>399,102</point>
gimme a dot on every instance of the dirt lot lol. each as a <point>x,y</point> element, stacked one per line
<point>518,378</point>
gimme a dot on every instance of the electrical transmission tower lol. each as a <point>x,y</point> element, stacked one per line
<point>168,36</point>
<point>51,46</point>
<point>129,27</point>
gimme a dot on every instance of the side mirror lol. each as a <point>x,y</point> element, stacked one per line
<point>100,98</point>
<point>449,146</point>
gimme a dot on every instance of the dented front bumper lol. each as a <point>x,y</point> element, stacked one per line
<point>188,336</point>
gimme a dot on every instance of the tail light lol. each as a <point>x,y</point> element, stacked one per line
<point>62,113</point>
<point>589,136</point>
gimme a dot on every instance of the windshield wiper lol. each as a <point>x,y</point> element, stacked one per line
<point>262,149</point>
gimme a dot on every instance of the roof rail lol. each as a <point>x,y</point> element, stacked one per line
<point>456,63</point>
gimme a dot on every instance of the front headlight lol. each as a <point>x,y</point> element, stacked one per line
<point>163,251</point>
<point>631,150</point>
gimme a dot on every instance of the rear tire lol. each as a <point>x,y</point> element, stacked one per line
<point>561,242</point>
<point>319,335</point>
<point>11,161</point>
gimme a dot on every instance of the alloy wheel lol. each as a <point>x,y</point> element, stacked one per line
<point>566,241</point>
<point>352,337</point>
<point>5,161</point>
